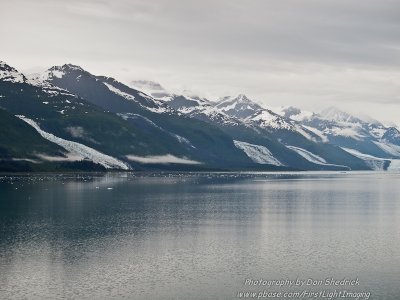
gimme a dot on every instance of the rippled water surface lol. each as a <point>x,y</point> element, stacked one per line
<point>197,235</point>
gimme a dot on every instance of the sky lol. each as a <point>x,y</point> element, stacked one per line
<point>306,53</point>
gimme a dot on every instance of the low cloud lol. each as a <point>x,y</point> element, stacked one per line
<point>69,157</point>
<point>162,159</point>
<point>34,161</point>
<point>76,131</point>
<point>305,53</point>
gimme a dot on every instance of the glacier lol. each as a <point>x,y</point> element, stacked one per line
<point>258,154</point>
<point>79,150</point>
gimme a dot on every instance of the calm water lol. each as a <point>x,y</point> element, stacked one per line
<point>196,236</point>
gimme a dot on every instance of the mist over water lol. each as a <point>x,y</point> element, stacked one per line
<point>196,235</point>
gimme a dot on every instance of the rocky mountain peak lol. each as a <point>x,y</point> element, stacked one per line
<point>10,74</point>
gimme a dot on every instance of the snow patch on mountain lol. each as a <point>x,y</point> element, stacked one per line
<point>267,119</point>
<point>212,114</point>
<point>389,148</point>
<point>10,74</point>
<point>118,92</point>
<point>318,133</point>
<point>375,163</point>
<point>195,97</point>
<point>359,154</point>
<point>53,72</point>
<point>303,132</point>
<point>61,71</point>
<point>162,159</point>
<point>308,155</point>
<point>144,100</point>
<point>257,153</point>
<point>181,139</point>
<point>50,89</point>
<point>240,106</point>
<point>349,132</point>
<point>334,114</point>
<point>127,116</point>
<point>58,74</point>
<point>378,132</point>
<point>202,109</point>
<point>311,157</point>
<point>79,150</point>
<point>159,109</point>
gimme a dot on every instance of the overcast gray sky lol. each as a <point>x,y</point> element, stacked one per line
<point>306,53</point>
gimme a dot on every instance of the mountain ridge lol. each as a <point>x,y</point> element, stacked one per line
<point>74,108</point>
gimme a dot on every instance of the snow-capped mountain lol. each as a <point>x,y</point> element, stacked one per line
<point>78,81</point>
<point>255,115</point>
<point>391,135</point>
<point>202,109</point>
<point>264,128</point>
<point>250,112</point>
<point>363,137</point>
<point>240,107</point>
<point>94,122</point>
<point>248,122</point>
<point>268,119</point>
<point>9,74</point>
<point>86,132</point>
<point>334,114</point>
<point>179,134</point>
<point>54,110</point>
<point>243,108</point>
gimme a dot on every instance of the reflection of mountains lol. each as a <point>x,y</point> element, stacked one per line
<point>119,204</point>
<point>145,235</point>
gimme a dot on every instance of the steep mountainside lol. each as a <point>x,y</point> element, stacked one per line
<point>22,148</point>
<point>365,138</point>
<point>71,118</point>
<point>275,133</point>
<point>179,134</point>
<point>75,119</point>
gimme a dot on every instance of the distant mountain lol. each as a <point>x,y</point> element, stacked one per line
<point>250,139</point>
<point>334,114</point>
<point>286,140</point>
<point>361,136</point>
<point>240,106</point>
<point>79,121</point>
<point>167,121</point>
<point>179,134</point>
<point>391,135</point>
<point>82,129</point>
<point>10,74</point>
<point>329,134</point>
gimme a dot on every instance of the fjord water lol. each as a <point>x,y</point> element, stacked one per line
<point>196,235</point>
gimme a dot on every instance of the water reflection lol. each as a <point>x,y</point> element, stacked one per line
<point>194,236</point>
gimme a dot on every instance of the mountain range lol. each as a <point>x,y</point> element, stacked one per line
<point>69,119</point>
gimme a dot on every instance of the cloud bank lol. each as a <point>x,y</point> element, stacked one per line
<point>308,53</point>
<point>162,159</point>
